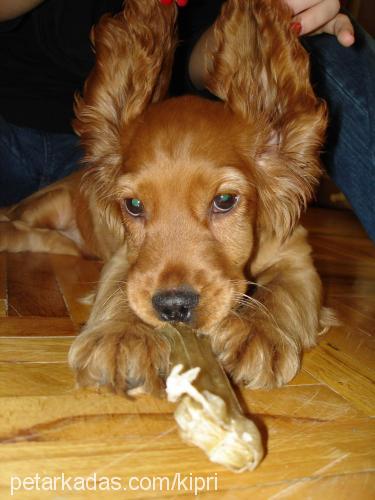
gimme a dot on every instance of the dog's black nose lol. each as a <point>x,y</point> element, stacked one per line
<point>176,304</point>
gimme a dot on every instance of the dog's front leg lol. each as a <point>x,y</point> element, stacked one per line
<point>261,343</point>
<point>115,347</point>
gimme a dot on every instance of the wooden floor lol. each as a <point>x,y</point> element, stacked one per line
<point>318,429</point>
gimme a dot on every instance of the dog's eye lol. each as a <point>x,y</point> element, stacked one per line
<point>134,206</point>
<point>224,202</point>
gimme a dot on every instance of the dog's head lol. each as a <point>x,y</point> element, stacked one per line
<point>196,187</point>
<point>188,202</point>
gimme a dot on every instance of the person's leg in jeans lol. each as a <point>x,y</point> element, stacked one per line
<point>31,159</point>
<point>345,78</point>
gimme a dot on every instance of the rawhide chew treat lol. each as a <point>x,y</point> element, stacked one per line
<point>209,414</point>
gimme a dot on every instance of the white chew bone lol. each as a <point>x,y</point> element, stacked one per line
<point>228,439</point>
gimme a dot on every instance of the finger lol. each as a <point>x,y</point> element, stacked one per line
<point>342,28</point>
<point>298,6</point>
<point>317,16</point>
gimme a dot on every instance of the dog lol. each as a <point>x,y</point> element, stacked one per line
<point>193,204</point>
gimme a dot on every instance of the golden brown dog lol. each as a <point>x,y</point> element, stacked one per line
<point>192,204</point>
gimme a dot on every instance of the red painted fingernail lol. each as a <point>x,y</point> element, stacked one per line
<point>296,27</point>
<point>182,3</point>
<point>166,2</point>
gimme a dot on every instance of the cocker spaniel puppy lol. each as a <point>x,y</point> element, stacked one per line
<point>192,204</point>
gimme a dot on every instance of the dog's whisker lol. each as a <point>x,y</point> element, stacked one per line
<point>260,306</point>
<point>251,283</point>
<point>241,318</point>
<point>246,304</point>
<point>256,305</point>
<point>111,296</point>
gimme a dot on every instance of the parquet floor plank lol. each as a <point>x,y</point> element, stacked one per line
<point>37,379</point>
<point>77,279</point>
<point>333,223</point>
<point>3,285</point>
<point>344,375</point>
<point>32,287</point>
<point>139,445</point>
<point>30,326</point>
<point>34,350</point>
<point>319,431</point>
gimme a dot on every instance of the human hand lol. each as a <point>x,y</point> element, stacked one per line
<point>10,9</point>
<point>321,16</point>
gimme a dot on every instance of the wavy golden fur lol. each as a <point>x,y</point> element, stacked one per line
<point>243,276</point>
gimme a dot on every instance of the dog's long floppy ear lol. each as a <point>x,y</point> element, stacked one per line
<point>260,69</point>
<point>134,54</point>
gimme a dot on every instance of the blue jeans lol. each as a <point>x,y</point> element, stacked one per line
<point>344,77</point>
<point>31,159</point>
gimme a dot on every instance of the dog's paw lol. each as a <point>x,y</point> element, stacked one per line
<point>122,355</point>
<point>256,353</point>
